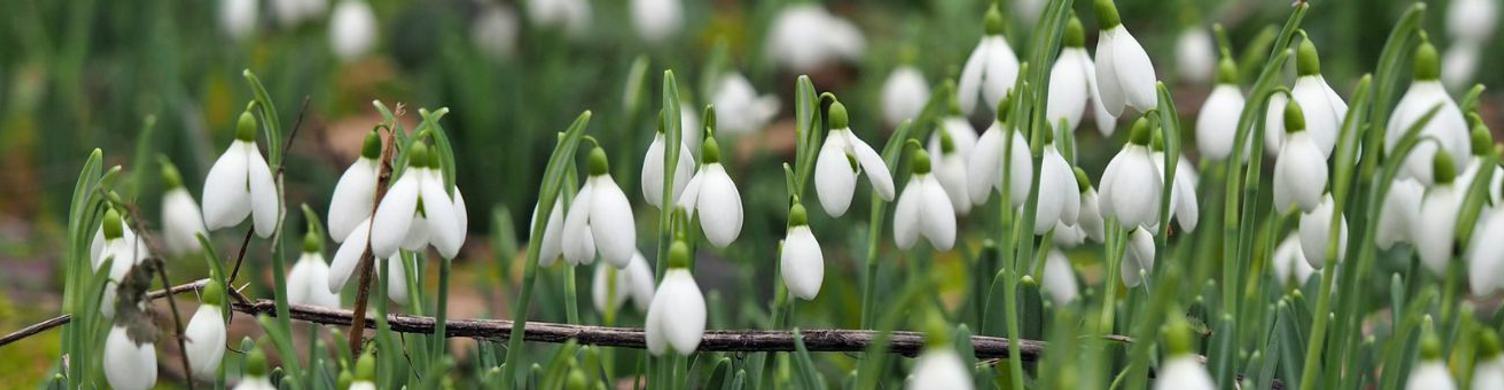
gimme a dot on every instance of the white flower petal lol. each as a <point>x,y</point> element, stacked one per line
<point>1290,264</point>
<point>872,165</point>
<point>353,198</point>
<point>128,366</point>
<point>950,170</point>
<point>395,215</point>
<point>1109,84</point>
<point>984,165</point>
<point>1090,217</point>
<point>1134,71</point>
<point>652,171</point>
<point>1485,257</point>
<point>396,286</point>
<point>1217,123</point>
<point>720,206</point>
<point>265,203</point>
<point>577,239</point>
<point>969,88</point>
<point>205,342</point>
<point>1400,211</point>
<point>611,222</point>
<point>904,94</point>
<point>1000,71</point>
<point>1300,174</point>
<point>685,323</point>
<point>182,222</point>
<point>1068,88</point>
<point>1196,55</point>
<point>347,258</point>
<point>417,234</point>
<point>1430,375</point>
<point>609,283</point>
<point>1435,232</point>
<point>939,224</point>
<point>1274,124</point>
<point>1315,234</point>
<point>227,193</point>
<point>352,29</point>
<point>1489,374</point>
<point>553,232</point>
<point>1323,114</point>
<point>939,368</point>
<point>906,216</point>
<point>801,264</point>
<point>443,230</point>
<point>1139,256</point>
<point>1058,279</point>
<point>1183,372</point>
<point>835,178</point>
<point>1132,193</point>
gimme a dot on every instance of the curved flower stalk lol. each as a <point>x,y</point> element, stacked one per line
<point>939,367</point>
<point>599,220</point>
<point>355,193</point>
<point>985,164</point>
<point>992,68</point>
<point>635,281</point>
<point>238,18</point>
<point>417,211</point>
<point>1217,123</point>
<point>739,110</point>
<point>494,30</point>
<point>652,171</point>
<point>256,374</point>
<point>1196,55</point>
<point>240,185</point>
<point>352,29</point>
<point>950,169</point>
<point>205,334</point>
<point>676,318</point>
<point>713,196</point>
<point>124,255</point>
<point>1089,223</point>
<point>1447,128</point>
<point>182,220</point>
<point>657,20</point>
<point>923,210</point>
<point>1400,213</point>
<point>842,157</point>
<point>1323,109</point>
<point>1184,209</point>
<point>1125,77</point>
<point>1290,265</point>
<point>804,37</point>
<point>801,264</point>
<point>1436,231</point>
<point>1059,280</point>
<point>1316,232</point>
<point>1485,255</point>
<point>1131,185</point>
<point>1489,372</point>
<point>1300,174</point>
<point>1059,194</point>
<point>130,362</point>
<point>570,16</point>
<point>1182,370</point>
<point>308,281</point>
<point>904,94</point>
<point>1430,372</point>
<point>1073,83</point>
<point>1139,258</point>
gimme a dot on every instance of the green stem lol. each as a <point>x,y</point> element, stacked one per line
<point>1318,327</point>
<point>441,312</point>
<point>571,297</point>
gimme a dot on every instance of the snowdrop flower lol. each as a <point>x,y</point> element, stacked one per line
<point>1489,372</point>
<point>1472,20</point>
<point>255,377</point>
<point>652,170</point>
<point>939,367</point>
<point>240,185</point>
<point>1217,123</point>
<point>1460,63</point>
<point>238,17</point>
<point>1316,232</point>
<point>1485,256</point>
<point>990,71</point>
<point>1447,127</point>
<point>1131,185</point>
<point>1059,195</point>
<point>1196,55</point>
<point>1435,233</point>
<point>713,196</point>
<point>676,318</point>
<point>355,193</point>
<point>923,209</point>
<point>1088,224</point>
<point>1125,77</point>
<point>1430,373</point>
<point>657,20</point>
<point>1138,258</point>
<point>290,13</point>
<point>417,211</point>
<point>1400,212</point>
<point>1184,209</point>
<point>984,165</point>
<point>495,30</point>
<point>1182,370</point>
<point>1323,109</point>
<point>1073,81</point>
<point>804,37</point>
<point>842,158</point>
<point>571,16</point>
<point>182,221</point>
<point>1482,143</point>
<point>600,219</point>
<point>1300,174</point>
<point>739,109</point>
<point>205,334</point>
<point>950,169</point>
<point>129,363</point>
<point>1059,280</point>
<point>124,254</point>
<point>307,282</point>
<point>800,262</point>
<point>611,287</point>
<point>347,259</point>
<point>904,94</point>
<point>352,29</point>
<point>1289,260</point>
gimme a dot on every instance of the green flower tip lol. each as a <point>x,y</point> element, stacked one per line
<point>936,331</point>
<point>365,368</point>
<point>1430,347</point>
<point>1157,143</point>
<point>1002,107</point>
<point>1107,14</point>
<point>597,163</point>
<point>246,129</point>
<point>1443,169</point>
<point>947,145</point>
<point>212,293</point>
<point>372,147</point>
<point>1295,117</point>
<point>1140,133</point>
<point>312,243</point>
<point>678,255</point>
<point>1427,62</point>
<point>1028,281</point>
<point>993,21</point>
<point>1083,182</point>
<point>1075,34</point>
<point>1227,71</point>
<point>418,156</point>
<point>1178,337</point>
<point>1488,344</point>
<point>112,226</point>
<point>1307,60</point>
<point>710,151</point>
<point>907,54</point>
<point>1046,135</point>
<point>797,215</point>
<point>171,179</point>
<point>255,363</point>
<point>920,163</point>
<point>838,119</point>
<point>576,380</point>
<point>345,380</point>
<point>1482,141</point>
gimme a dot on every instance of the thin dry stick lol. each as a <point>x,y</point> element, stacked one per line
<point>363,292</point>
<point>144,237</point>
<point>61,320</point>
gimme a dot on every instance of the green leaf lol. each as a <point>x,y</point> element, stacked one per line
<point>267,113</point>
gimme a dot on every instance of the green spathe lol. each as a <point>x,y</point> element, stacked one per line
<point>1107,14</point>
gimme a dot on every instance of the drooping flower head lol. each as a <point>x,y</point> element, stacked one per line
<point>123,255</point>
<point>1138,260</point>
<point>1430,371</point>
<point>652,170</point>
<point>842,158</point>
<point>1300,173</point>
<point>1059,195</point>
<point>355,193</point>
<point>904,92</point>
<point>939,367</point>
<point>600,219</point>
<point>806,36</point>
<point>205,333</point>
<point>984,168</point>
<point>951,159</point>
<point>1073,83</point>
<point>1217,123</point>
<point>801,264</point>
<point>240,185</point>
<point>1485,254</point>
<point>1195,55</point>
<point>1125,77</point>
<point>1489,372</point>
<point>1185,210</point>
<point>1316,232</point>
<point>238,18</point>
<point>657,20</point>
<point>1448,128</point>
<point>739,110</point>
<point>365,373</point>
<point>1321,108</point>
<point>256,376</point>
<point>308,281</point>
<point>1435,236</point>
<point>713,197</point>
<point>1289,261</point>
<point>676,318</point>
<point>418,210</point>
<point>1089,223</point>
<point>1182,370</point>
<point>610,287</point>
<point>352,29</point>
<point>923,209</point>
<point>992,68</point>
<point>182,220</point>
